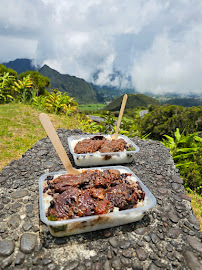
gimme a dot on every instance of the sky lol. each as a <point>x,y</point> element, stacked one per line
<point>155,43</point>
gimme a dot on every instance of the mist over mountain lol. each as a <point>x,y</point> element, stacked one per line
<point>103,86</point>
<point>116,79</point>
<point>155,44</point>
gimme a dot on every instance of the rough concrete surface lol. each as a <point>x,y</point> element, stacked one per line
<point>168,236</point>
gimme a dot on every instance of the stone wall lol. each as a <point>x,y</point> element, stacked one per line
<point>168,236</point>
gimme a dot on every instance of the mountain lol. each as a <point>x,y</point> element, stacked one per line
<point>81,90</point>
<point>73,86</point>
<point>185,102</point>
<point>108,93</point>
<point>20,65</point>
<point>133,101</point>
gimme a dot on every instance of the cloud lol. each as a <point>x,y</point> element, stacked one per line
<point>170,64</point>
<point>156,43</point>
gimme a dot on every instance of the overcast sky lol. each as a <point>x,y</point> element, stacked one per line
<point>156,42</point>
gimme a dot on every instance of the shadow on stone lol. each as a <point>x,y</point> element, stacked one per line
<point>48,241</point>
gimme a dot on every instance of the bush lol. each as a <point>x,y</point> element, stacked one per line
<point>187,155</point>
<point>165,119</point>
<point>56,102</point>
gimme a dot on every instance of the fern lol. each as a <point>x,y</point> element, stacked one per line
<point>186,152</point>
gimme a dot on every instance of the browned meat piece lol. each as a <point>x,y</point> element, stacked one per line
<point>98,193</point>
<point>88,146</point>
<point>122,196</point>
<point>64,202</point>
<point>114,174</point>
<point>101,181</point>
<point>103,207</point>
<point>92,192</point>
<point>113,146</point>
<point>99,143</point>
<point>60,211</point>
<point>86,204</point>
<point>70,196</point>
<point>63,182</point>
<point>140,192</point>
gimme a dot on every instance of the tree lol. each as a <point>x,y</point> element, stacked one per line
<point>11,72</point>
<point>165,119</point>
<point>40,82</point>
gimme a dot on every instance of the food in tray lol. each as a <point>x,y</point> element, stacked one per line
<point>101,144</point>
<point>93,150</point>
<point>92,192</point>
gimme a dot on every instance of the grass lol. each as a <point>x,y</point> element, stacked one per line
<point>196,203</point>
<point>91,107</point>
<point>20,129</point>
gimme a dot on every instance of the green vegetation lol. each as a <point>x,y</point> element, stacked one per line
<point>11,72</point>
<point>187,155</point>
<point>165,119</point>
<point>91,107</point>
<point>20,128</point>
<point>82,91</point>
<point>177,127</point>
<point>185,102</point>
<point>133,101</point>
<point>40,82</point>
<point>52,218</point>
<point>55,102</point>
<point>196,203</point>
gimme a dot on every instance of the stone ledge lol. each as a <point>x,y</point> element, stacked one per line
<point>168,237</point>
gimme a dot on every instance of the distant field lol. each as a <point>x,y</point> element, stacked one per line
<point>91,107</point>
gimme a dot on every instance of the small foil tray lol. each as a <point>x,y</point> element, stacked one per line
<point>97,158</point>
<point>96,222</point>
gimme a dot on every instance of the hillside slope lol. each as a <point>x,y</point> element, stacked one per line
<point>133,101</point>
<point>75,87</point>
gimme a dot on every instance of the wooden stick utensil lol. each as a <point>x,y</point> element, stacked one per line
<point>115,135</point>
<point>47,125</point>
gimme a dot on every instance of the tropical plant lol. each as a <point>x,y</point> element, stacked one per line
<point>6,80</point>
<point>40,82</point>
<point>109,122</point>
<point>187,155</point>
<point>39,102</point>
<point>56,102</point>
<point>23,89</point>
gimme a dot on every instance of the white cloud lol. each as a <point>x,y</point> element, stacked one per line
<point>14,47</point>
<point>157,42</point>
<point>171,65</point>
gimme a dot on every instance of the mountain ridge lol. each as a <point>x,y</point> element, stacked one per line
<point>73,86</point>
<point>133,101</point>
